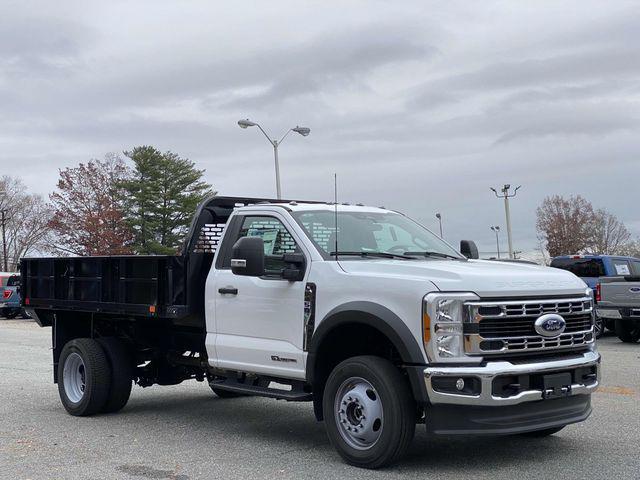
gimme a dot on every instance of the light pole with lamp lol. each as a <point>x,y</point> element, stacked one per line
<point>439,217</point>
<point>304,131</point>
<point>496,229</point>
<point>506,195</point>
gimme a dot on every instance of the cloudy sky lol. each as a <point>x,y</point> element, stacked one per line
<point>419,106</point>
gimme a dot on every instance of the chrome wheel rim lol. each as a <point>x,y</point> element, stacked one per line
<point>74,377</point>
<point>358,413</point>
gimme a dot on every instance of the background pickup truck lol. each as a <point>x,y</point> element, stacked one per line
<point>10,306</point>
<point>360,310</point>
<point>619,300</point>
<point>591,268</point>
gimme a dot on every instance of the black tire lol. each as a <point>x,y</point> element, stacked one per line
<point>397,406</point>
<point>96,374</point>
<point>598,327</point>
<point>543,433</point>
<point>121,363</point>
<point>11,314</point>
<point>628,330</point>
<point>610,324</point>
<point>226,393</point>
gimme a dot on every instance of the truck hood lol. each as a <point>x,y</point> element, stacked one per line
<point>486,278</point>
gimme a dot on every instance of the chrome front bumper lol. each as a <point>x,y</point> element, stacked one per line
<point>488,373</point>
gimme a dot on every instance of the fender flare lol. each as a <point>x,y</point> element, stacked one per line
<point>371,314</point>
<point>388,324</point>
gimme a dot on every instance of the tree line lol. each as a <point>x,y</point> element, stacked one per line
<point>140,204</point>
<point>573,226</point>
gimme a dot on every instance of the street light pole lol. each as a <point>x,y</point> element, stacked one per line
<point>275,157</point>
<point>3,221</point>
<point>506,195</point>
<point>439,217</point>
<point>496,229</point>
<point>304,131</point>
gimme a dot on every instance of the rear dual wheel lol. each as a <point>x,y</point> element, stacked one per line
<point>94,376</point>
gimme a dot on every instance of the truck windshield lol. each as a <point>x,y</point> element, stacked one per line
<point>359,232</point>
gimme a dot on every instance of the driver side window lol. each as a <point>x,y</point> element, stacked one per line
<point>277,239</point>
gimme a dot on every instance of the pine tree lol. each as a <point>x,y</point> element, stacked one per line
<point>161,198</point>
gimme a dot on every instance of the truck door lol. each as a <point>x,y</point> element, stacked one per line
<point>259,320</point>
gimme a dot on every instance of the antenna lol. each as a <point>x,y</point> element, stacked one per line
<point>335,205</point>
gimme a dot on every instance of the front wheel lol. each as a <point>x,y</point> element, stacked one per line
<point>369,411</point>
<point>628,330</point>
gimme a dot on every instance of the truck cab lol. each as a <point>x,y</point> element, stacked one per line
<point>360,310</point>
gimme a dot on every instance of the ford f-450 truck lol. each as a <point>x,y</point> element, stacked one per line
<point>360,310</point>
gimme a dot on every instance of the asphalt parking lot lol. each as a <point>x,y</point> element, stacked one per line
<point>186,432</point>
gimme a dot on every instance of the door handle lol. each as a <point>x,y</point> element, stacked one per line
<point>228,291</point>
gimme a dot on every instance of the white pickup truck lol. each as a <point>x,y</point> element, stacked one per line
<point>364,312</point>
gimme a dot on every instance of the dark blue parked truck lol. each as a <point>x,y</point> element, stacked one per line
<point>10,298</point>
<point>590,268</point>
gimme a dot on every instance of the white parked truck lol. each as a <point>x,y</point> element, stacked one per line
<point>360,310</point>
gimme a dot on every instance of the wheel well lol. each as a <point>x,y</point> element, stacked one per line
<point>344,341</point>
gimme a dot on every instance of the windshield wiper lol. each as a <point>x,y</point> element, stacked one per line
<point>371,254</point>
<point>432,254</point>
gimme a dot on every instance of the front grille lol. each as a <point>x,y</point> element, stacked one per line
<point>523,326</point>
<point>508,326</point>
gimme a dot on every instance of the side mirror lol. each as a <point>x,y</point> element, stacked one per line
<point>468,249</point>
<point>247,257</point>
<point>295,266</point>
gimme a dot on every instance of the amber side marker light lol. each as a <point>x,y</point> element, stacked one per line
<point>426,327</point>
<point>152,309</point>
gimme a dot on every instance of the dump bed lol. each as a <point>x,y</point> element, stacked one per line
<point>153,286</point>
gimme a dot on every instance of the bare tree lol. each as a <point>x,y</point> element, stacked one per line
<point>28,216</point>
<point>565,224</point>
<point>631,248</point>
<point>609,235</point>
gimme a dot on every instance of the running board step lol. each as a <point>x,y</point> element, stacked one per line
<point>256,390</point>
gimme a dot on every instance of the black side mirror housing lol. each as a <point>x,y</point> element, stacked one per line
<point>294,271</point>
<point>468,249</point>
<point>247,257</point>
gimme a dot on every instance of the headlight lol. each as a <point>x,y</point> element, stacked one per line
<point>442,320</point>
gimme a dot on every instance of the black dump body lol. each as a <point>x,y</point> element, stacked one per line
<point>166,287</point>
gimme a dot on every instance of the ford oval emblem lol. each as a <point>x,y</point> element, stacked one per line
<point>550,325</point>
<point>634,289</point>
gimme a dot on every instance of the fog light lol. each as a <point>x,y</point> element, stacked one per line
<point>457,385</point>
